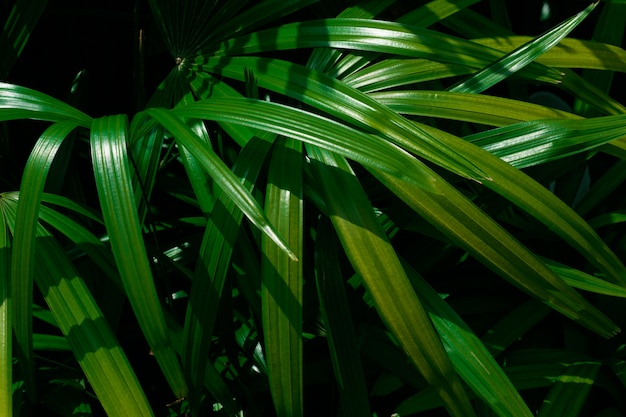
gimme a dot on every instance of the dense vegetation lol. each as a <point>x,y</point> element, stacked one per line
<point>312,208</point>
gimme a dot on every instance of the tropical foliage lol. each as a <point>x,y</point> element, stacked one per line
<point>354,208</point>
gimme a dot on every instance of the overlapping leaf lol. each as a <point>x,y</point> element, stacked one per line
<point>84,326</point>
<point>283,281</point>
<point>375,260</point>
<point>119,210</point>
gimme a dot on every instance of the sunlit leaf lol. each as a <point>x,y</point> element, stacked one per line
<point>520,57</point>
<point>27,217</point>
<point>282,282</point>
<point>119,210</point>
<point>394,297</point>
<point>24,103</point>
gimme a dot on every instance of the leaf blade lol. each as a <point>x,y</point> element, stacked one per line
<point>282,280</point>
<point>113,183</point>
<point>394,297</point>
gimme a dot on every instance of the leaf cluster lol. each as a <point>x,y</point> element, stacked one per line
<point>359,208</point>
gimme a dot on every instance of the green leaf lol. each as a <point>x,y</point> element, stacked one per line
<point>542,204</point>
<point>282,279</point>
<point>514,325</point>
<point>79,318</point>
<point>475,108</point>
<point>520,57</point>
<point>119,210</point>
<point>601,189</point>
<point>584,281</point>
<point>23,264</point>
<point>539,141</point>
<point>50,342</point>
<point>468,227</point>
<point>257,15</point>
<point>435,11</point>
<point>206,86</point>
<point>6,325</point>
<point>85,240</point>
<point>88,333</point>
<point>23,103</point>
<point>469,356</point>
<point>373,257</point>
<point>374,36</point>
<point>610,30</point>
<point>310,128</point>
<point>391,73</point>
<point>350,105</point>
<point>568,53</point>
<point>215,167</point>
<point>214,263</point>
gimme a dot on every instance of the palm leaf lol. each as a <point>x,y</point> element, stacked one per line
<point>569,53</point>
<point>26,221</point>
<point>282,280</point>
<point>609,30</point>
<point>520,57</point>
<point>395,72</point>
<point>214,262</point>
<point>385,278</point>
<point>119,210</point>
<point>216,167</point>
<point>475,108</point>
<point>311,128</point>
<point>82,323</point>
<point>465,225</point>
<point>6,324</point>
<point>88,334</point>
<point>540,141</point>
<point>340,100</point>
<point>373,36</point>
<point>24,103</point>
<point>510,183</point>
<point>530,196</point>
<point>468,354</point>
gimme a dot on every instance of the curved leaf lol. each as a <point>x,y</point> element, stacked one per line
<point>569,53</point>
<point>374,36</point>
<point>215,166</point>
<point>26,221</point>
<point>520,57</point>
<point>340,100</point>
<point>282,279</point>
<point>475,108</point>
<point>214,262</point>
<point>339,328</point>
<point>119,210</point>
<point>467,226</point>
<point>24,103</point>
<point>311,128</point>
<point>468,354</point>
<point>384,277</point>
<point>540,141</point>
<point>86,330</point>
